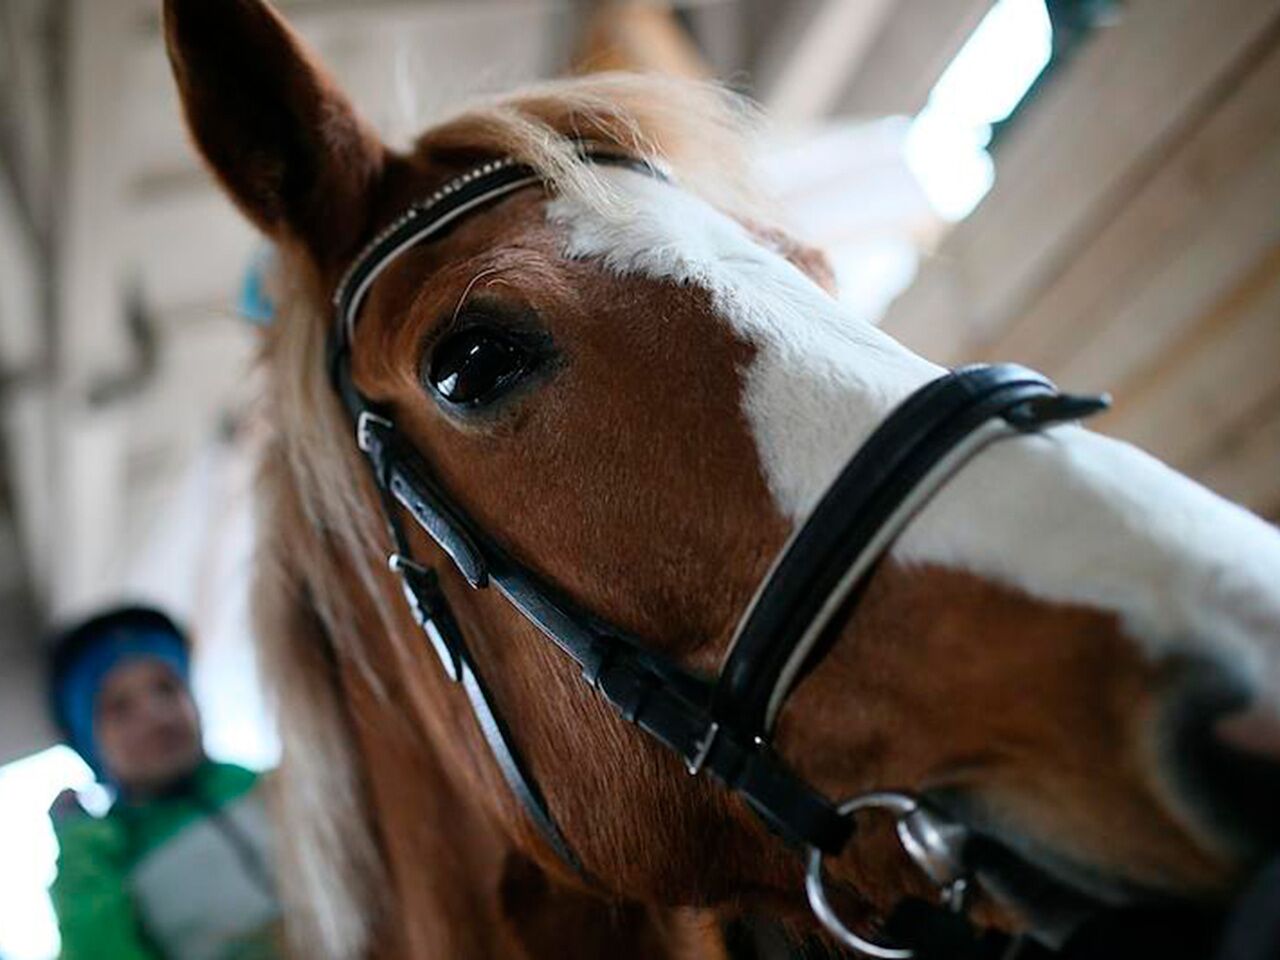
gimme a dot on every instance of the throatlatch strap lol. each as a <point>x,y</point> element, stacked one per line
<point>430,609</point>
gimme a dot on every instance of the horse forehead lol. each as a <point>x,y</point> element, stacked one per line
<point>811,357</point>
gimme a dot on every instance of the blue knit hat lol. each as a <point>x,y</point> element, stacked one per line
<point>86,653</point>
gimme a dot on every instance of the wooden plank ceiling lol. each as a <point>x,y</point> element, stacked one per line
<point>1131,242</point>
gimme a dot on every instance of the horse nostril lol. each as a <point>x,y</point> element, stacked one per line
<point>1226,759</point>
<point>1253,731</point>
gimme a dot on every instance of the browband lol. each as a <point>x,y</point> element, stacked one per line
<point>432,217</point>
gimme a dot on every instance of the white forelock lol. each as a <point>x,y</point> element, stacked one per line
<point>1067,516</point>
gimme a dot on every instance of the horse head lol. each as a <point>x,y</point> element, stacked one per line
<point>639,388</point>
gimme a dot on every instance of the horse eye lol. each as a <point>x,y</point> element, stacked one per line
<point>476,365</point>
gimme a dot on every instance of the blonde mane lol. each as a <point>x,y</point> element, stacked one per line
<point>318,525</point>
<point>698,131</point>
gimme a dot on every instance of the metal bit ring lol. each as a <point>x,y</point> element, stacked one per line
<point>936,862</point>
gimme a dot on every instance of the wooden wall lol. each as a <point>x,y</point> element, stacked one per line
<point>1132,241</point>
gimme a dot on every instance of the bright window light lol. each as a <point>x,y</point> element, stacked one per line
<point>28,929</point>
<point>946,144</point>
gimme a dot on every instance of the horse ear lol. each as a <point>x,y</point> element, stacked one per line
<point>808,260</point>
<point>813,262</point>
<point>283,140</point>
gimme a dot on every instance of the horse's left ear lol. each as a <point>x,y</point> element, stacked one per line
<point>813,262</point>
<point>809,260</point>
<point>275,129</point>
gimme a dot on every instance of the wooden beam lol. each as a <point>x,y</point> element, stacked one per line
<point>26,403</point>
<point>816,48</point>
<point>720,30</point>
<point>89,465</point>
<point>1243,467</point>
<point>1174,306</point>
<point>305,14</point>
<point>1162,220</point>
<point>637,35</point>
<point>1209,382</point>
<point>21,323</point>
<point>1184,287</point>
<point>30,108</point>
<point>914,46</point>
<point>1095,136</point>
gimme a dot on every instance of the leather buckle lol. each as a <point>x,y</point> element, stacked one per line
<point>695,764</point>
<point>1045,411</point>
<point>427,604</point>
<point>366,424</point>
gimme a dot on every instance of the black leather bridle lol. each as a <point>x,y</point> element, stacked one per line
<point>719,726</point>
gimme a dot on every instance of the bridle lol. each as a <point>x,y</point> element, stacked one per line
<point>720,726</point>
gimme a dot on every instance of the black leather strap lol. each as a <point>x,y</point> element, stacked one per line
<point>648,691</point>
<point>398,483</point>
<point>857,508</point>
<point>724,734</point>
<point>788,805</point>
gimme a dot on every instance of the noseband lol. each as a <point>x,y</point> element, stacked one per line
<point>719,726</point>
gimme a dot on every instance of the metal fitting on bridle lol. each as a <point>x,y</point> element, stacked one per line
<point>933,843</point>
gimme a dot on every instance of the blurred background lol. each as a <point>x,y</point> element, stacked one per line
<point>1091,187</point>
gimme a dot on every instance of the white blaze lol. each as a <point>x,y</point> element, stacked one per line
<point>1068,515</point>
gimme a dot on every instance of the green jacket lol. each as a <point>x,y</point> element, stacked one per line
<point>184,877</point>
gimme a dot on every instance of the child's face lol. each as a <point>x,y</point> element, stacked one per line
<point>147,726</point>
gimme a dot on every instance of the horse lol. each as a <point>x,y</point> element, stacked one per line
<point>640,387</point>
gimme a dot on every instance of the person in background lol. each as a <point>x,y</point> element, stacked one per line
<point>180,865</point>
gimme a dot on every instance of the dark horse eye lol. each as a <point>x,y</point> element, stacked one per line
<point>476,365</point>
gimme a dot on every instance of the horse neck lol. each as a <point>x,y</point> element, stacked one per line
<point>458,886</point>
<point>462,887</point>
